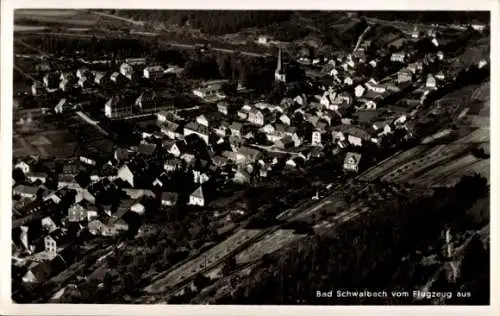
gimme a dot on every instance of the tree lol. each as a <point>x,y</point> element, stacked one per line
<point>229,265</point>
<point>201,281</point>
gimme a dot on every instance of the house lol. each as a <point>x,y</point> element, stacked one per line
<point>48,224</point>
<point>65,85</point>
<point>352,134</point>
<point>38,272</point>
<point>415,34</point>
<point>202,120</point>
<point>169,198</point>
<point>82,72</point>
<point>241,177</point>
<point>126,174</point>
<point>138,208</point>
<point>36,88</point>
<point>285,142</point>
<point>117,78</point>
<point>115,228</point>
<point>121,154</point>
<point>61,106</point>
<point>146,149</point>
<point>256,117</point>
<point>37,176</point>
<point>372,85</point>
<point>77,213</point>
<point>153,72</point>
<point>440,76</point>
<point>197,129</point>
<point>348,81</point>
<point>88,159</point>
<point>405,75</point>
<point>25,167</point>
<point>25,191</point>
<point>223,107</point>
<point>236,128</point>
<point>263,40</point>
<point>135,61</point>
<point>56,241</point>
<point>85,82</point>
<point>212,90</point>
<point>172,164</point>
<point>197,198</point>
<point>440,55</point>
<point>359,90</point>
<point>285,119</point>
<point>171,130</point>
<point>101,78</point>
<point>51,80</point>
<point>482,63</point>
<point>351,162</point>
<point>430,82</point>
<point>316,138</point>
<point>126,70</point>
<point>399,57</point>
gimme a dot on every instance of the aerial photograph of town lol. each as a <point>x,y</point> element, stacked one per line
<point>251,157</point>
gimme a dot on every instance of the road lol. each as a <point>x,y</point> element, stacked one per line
<point>27,76</point>
<point>111,16</point>
<point>87,119</point>
<point>30,47</point>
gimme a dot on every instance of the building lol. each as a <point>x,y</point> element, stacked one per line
<point>359,90</point>
<point>236,128</point>
<point>256,117</point>
<point>197,129</point>
<point>405,75</point>
<point>169,198</point>
<point>25,191</point>
<point>56,241</point>
<point>202,120</point>
<point>82,72</point>
<point>101,78</point>
<point>399,57</point>
<point>431,82</point>
<point>211,90</point>
<point>280,74</point>
<point>51,80</point>
<point>138,208</point>
<point>263,40</point>
<point>351,162</point>
<point>153,72</point>
<point>37,88</point>
<point>85,82</point>
<point>316,138</point>
<point>126,70</point>
<point>197,198</point>
<point>77,213</point>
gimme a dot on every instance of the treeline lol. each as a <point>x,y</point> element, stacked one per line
<point>363,254</point>
<point>210,21</point>
<point>440,17</point>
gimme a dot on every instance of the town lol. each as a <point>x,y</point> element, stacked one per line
<point>139,178</point>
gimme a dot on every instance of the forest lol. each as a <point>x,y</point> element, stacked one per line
<point>210,21</point>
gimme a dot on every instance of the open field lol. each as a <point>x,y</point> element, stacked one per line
<point>63,18</point>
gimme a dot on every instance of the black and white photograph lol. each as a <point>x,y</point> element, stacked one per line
<point>250,157</point>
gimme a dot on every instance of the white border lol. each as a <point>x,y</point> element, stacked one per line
<point>7,7</point>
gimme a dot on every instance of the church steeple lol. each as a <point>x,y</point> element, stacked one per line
<point>279,74</point>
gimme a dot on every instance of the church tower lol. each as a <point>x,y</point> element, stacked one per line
<point>279,74</point>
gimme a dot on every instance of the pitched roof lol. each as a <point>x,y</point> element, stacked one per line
<point>169,196</point>
<point>353,156</point>
<point>198,193</point>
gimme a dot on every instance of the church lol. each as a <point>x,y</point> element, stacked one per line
<point>279,74</point>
